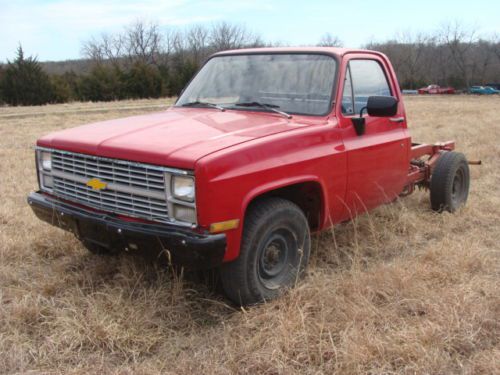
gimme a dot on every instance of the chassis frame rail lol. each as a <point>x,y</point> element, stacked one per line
<point>423,158</point>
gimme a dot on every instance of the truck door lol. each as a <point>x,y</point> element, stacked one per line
<point>378,160</point>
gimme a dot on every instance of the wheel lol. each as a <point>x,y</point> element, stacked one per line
<point>274,252</point>
<point>97,249</point>
<point>450,182</point>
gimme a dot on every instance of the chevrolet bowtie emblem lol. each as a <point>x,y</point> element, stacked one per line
<point>96,184</point>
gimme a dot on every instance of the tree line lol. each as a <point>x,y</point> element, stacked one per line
<point>143,61</point>
<point>454,55</point>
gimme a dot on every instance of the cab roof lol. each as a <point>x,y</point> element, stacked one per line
<point>328,50</point>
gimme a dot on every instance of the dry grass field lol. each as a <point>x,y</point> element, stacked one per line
<point>400,290</point>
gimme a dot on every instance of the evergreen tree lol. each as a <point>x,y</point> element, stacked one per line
<point>2,73</point>
<point>164,71</point>
<point>64,87</point>
<point>183,71</point>
<point>103,83</point>
<point>142,81</point>
<point>25,83</point>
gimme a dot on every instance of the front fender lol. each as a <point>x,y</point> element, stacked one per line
<point>229,180</point>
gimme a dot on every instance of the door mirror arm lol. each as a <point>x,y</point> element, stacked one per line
<point>359,123</point>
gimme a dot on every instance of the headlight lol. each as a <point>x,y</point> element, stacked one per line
<point>46,160</point>
<point>47,181</point>
<point>183,188</point>
<point>184,213</point>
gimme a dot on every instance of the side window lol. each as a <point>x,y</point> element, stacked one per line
<point>368,79</point>
<point>347,97</point>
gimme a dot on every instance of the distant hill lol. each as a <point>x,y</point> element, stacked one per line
<point>81,66</point>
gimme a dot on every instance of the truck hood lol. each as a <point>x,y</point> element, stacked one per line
<point>177,137</point>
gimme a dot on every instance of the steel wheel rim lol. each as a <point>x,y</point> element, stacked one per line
<point>278,252</point>
<point>458,187</point>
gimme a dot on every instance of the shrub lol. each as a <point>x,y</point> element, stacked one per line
<point>103,83</point>
<point>64,87</point>
<point>142,81</point>
<point>25,83</point>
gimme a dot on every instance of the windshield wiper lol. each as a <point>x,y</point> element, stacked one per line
<point>203,104</point>
<point>269,107</point>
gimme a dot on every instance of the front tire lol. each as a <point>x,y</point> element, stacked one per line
<point>450,182</point>
<point>274,252</point>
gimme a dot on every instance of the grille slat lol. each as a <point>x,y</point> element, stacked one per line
<point>151,180</point>
<point>107,168</point>
<point>140,179</point>
<point>109,197</point>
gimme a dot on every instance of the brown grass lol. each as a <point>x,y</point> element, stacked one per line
<point>401,290</point>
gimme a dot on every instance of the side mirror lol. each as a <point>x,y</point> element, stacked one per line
<point>382,106</point>
<point>377,106</point>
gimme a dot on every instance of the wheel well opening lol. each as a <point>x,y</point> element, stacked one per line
<point>307,195</point>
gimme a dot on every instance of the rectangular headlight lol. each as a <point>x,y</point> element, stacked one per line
<point>184,213</point>
<point>46,160</point>
<point>47,181</point>
<point>183,188</point>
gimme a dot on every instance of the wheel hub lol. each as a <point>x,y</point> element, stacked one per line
<point>274,256</point>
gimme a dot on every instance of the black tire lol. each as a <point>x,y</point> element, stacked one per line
<point>97,249</point>
<point>274,252</point>
<point>450,182</point>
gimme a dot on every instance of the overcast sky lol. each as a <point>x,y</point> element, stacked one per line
<point>55,29</point>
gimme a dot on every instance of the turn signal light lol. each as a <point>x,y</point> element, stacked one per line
<point>224,225</point>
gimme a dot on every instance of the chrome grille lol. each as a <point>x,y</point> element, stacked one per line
<point>133,189</point>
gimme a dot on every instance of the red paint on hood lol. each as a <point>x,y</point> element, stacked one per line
<point>177,137</point>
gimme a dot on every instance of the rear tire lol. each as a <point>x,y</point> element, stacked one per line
<point>274,252</point>
<point>450,182</point>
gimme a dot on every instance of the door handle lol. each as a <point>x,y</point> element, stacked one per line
<point>397,119</point>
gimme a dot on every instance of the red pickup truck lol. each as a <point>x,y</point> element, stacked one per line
<point>263,147</point>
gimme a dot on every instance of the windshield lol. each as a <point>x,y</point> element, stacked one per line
<point>292,83</point>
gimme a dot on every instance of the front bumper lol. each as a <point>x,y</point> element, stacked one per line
<point>184,246</point>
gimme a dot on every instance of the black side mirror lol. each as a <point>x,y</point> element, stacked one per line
<point>382,106</point>
<point>377,106</point>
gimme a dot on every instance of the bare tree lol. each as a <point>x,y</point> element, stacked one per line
<point>329,40</point>
<point>139,42</point>
<point>495,45</point>
<point>224,36</point>
<point>105,47</point>
<point>197,40</point>
<point>454,55</point>
<point>439,63</point>
<point>483,59</point>
<point>459,40</point>
<point>143,42</point>
<point>168,45</point>
<point>412,48</point>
